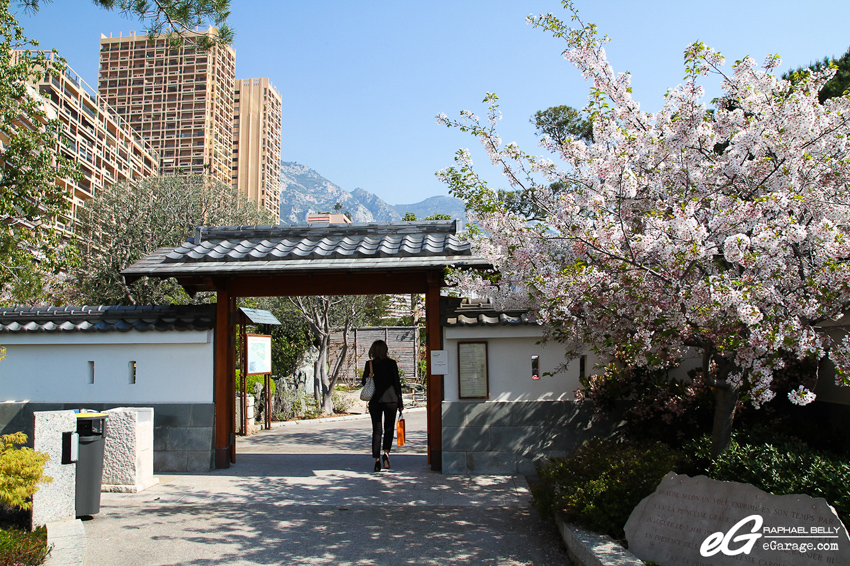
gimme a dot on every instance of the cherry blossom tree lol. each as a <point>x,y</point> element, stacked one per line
<point>720,229</point>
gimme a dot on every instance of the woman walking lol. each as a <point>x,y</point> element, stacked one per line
<point>385,402</point>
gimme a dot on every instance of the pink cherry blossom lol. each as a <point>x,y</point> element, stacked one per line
<point>717,228</point>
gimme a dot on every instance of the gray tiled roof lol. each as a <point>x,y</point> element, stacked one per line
<point>107,319</point>
<point>481,312</point>
<point>312,247</point>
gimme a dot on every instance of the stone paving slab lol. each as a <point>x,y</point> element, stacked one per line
<point>68,539</point>
<point>306,495</point>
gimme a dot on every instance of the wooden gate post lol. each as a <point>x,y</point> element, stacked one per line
<point>435,382</point>
<point>224,392</point>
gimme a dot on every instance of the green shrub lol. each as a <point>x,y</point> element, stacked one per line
<point>777,466</point>
<point>342,403</point>
<point>251,380</point>
<point>19,547</point>
<point>600,485</point>
<point>291,405</point>
<point>653,404</point>
<point>21,470</point>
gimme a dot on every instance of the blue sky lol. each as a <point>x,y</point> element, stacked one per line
<point>362,81</point>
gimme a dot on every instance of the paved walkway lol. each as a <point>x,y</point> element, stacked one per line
<point>306,494</point>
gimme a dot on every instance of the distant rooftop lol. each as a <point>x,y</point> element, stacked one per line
<point>480,312</point>
<point>327,218</point>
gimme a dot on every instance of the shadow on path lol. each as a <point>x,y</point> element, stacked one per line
<point>354,436</point>
<point>281,505</point>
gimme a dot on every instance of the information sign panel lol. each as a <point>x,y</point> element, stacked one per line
<point>259,349</point>
<point>473,381</point>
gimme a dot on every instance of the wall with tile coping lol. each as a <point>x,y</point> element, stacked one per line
<point>523,420</point>
<point>47,371</point>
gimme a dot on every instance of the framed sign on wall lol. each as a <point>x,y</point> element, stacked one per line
<point>472,370</point>
<point>259,354</point>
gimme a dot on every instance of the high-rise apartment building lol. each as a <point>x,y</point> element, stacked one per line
<point>179,99</point>
<point>256,143</point>
<point>104,146</point>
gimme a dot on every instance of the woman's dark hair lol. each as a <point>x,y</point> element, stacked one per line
<point>379,350</point>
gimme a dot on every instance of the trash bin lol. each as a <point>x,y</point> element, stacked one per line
<point>90,462</point>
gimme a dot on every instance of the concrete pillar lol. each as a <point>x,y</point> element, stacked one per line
<point>54,501</point>
<point>128,450</point>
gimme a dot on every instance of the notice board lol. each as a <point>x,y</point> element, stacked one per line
<point>472,374</point>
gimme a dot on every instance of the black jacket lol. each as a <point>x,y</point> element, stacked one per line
<point>387,382</point>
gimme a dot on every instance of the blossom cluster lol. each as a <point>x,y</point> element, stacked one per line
<point>721,228</point>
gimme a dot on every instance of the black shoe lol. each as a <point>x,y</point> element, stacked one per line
<point>386,460</point>
<point>377,466</point>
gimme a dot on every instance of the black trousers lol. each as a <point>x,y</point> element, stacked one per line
<point>387,429</point>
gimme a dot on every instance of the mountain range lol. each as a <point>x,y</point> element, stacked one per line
<point>304,191</point>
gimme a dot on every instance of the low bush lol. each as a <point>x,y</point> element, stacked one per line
<point>342,403</point>
<point>777,466</point>
<point>290,405</point>
<point>21,470</point>
<point>600,485</point>
<point>655,406</point>
<point>18,547</point>
<point>252,380</point>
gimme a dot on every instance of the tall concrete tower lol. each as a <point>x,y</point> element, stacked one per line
<point>256,143</point>
<point>179,100</point>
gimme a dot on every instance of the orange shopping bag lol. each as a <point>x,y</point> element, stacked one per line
<point>399,431</point>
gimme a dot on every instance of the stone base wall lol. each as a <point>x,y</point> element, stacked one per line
<point>183,434</point>
<point>514,437</point>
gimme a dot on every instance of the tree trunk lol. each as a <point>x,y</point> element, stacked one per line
<point>317,313</point>
<point>324,390</point>
<point>328,402</point>
<point>334,372</point>
<point>726,398</point>
<point>317,379</point>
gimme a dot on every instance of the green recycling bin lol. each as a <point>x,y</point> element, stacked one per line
<point>90,462</point>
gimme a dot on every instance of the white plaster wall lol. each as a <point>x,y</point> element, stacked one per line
<point>171,367</point>
<point>509,352</point>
